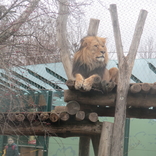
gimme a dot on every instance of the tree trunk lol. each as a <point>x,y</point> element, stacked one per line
<point>125,70</point>
<point>62,40</point>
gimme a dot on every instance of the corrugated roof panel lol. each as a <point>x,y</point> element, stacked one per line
<point>140,70</point>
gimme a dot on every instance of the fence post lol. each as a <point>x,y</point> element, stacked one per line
<point>92,31</point>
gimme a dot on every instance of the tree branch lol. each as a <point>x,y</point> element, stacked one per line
<point>18,22</point>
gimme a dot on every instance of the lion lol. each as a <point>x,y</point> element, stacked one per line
<point>89,64</point>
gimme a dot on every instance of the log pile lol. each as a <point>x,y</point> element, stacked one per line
<point>141,100</point>
<point>140,95</point>
<point>54,122</point>
<point>71,112</point>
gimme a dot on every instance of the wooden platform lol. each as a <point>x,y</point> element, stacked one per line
<point>33,124</point>
<point>141,100</point>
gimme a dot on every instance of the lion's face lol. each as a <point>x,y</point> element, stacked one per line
<point>95,48</point>
<point>92,52</point>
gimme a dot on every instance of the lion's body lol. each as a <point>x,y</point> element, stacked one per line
<point>90,63</point>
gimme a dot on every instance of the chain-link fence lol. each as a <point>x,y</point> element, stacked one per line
<point>31,62</point>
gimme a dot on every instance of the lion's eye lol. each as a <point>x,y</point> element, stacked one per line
<point>96,45</point>
<point>103,46</point>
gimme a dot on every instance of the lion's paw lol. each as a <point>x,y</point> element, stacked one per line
<point>107,86</point>
<point>86,85</point>
<point>78,84</point>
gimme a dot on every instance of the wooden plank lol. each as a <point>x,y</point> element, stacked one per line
<point>105,139</point>
<point>125,70</point>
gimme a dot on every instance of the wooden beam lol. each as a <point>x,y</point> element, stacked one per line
<point>84,146</point>
<point>95,98</point>
<point>125,69</point>
<point>90,98</point>
<point>65,129</point>
<point>105,139</point>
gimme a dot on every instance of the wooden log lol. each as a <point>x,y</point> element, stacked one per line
<point>135,100</point>
<point>72,107</point>
<point>62,37</point>
<point>93,27</point>
<point>95,142</point>
<point>125,69</point>
<point>135,88</point>
<point>64,116</point>
<point>62,130</point>
<point>141,100</point>
<point>1,116</point>
<point>11,116</point>
<point>44,116</point>
<point>80,115</point>
<point>59,109</point>
<point>93,117</point>
<point>84,144</point>
<point>70,84</point>
<point>105,139</point>
<point>20,117</point>
<point>145,87</point>
<point>90,98</point>
<point>31,117</point>
<point>54,117</point>
<point>153,88</point>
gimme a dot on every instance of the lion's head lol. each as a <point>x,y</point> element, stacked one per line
<point>92,52</point>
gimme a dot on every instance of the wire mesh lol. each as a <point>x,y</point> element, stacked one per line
<point>31,62</point>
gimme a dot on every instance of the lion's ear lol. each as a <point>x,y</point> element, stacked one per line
<point>83,43</point>
<point>103,40</point>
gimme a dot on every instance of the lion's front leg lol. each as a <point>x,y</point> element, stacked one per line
<point>110,79</point>
<point>78,81</point>
<point>113,75</point>
<point>88,83</point>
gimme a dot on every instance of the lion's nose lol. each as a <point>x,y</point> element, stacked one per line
<point>102,52</point>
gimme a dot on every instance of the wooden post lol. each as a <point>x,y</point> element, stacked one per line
<point>125,70</point>
<point>93,27</point>
<point>62,37</point>
<point>105,140</point>
<point>95,142</point>
<point>85,142</point>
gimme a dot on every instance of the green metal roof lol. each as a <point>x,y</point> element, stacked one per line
<point>52,76</point>
<point>42,77</point>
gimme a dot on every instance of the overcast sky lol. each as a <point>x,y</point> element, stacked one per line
<point>128,12</point>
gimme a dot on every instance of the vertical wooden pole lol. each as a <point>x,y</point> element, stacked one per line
<point>106,139</point>
<point>84,144</point>
<point>95,142</point>
<point>93,27</point>
<point>125,70</point>
<point>62,37</point>
<point>85,141</point>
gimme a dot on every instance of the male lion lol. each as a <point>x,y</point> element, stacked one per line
<point>90,63</point>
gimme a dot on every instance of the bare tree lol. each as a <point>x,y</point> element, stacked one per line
<point>148,49</point>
